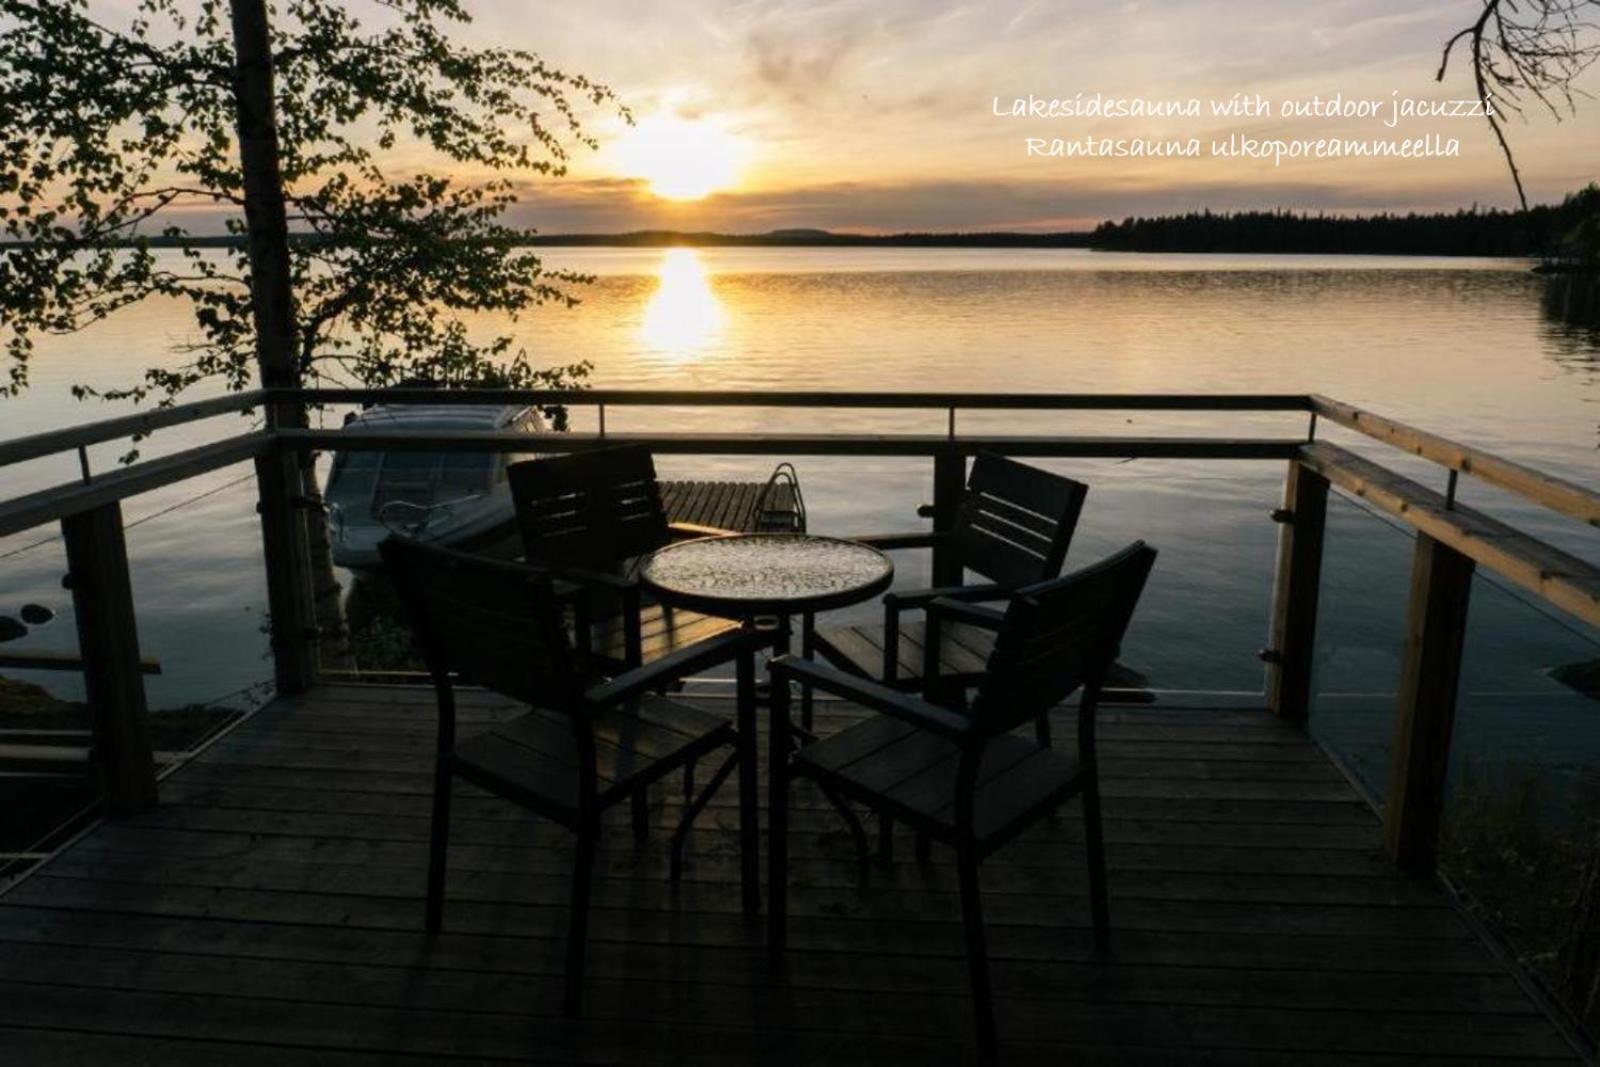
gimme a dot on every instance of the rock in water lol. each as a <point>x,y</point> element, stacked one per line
<point>1584,677</point>
<point>36,614</point>
<point>11,629</point>
<point>1122,677</point>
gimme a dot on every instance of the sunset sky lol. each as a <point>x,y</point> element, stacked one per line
<point>877,115</point>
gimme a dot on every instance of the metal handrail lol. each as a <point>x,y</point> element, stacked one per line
<point>39,445</point>
<point>1567,498</point>
<point>37,508</point>
<point>805,398</point>
<point>1557,494</point>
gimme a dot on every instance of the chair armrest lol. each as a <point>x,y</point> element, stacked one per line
<point>906,599</point>
<point>517,569</point>
<point>957,611</point>
<point>567,592</point>
<point>889,541</point>
<point>870,694</point>
<point>589,578</point>
<point>683,531</point>
<point>895,602</point>
<point>697,657</point>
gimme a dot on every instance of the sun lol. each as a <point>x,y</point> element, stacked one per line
<point>682,159</point>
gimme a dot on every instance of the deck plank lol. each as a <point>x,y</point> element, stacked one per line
<point>269,911</point>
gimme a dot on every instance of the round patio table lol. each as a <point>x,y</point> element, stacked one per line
<point>764,576</point>
<point>744,576</point>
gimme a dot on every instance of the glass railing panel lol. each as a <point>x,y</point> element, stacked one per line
<point>46,780</point>
<point>1361,619</point>
<point>194,553</point>
<point>199,586</point>
<point>1522,810</point>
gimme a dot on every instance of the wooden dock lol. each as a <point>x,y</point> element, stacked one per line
<point>735,506</point>
<point>269,911</point>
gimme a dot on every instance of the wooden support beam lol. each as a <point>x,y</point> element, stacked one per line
<point>288,560</point>
<point>949,481</point>
<point>108,639</point>
<point>1441,588</point>
<point>1292,639</point>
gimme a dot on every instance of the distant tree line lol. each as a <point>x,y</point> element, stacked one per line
<point>675,238</point>
<point>1566,233</point>
<point>811,238</point>
<point>1544,230</point>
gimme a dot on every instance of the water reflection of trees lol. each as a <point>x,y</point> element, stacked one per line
<point>1573,298</point>
<point>1571,305</point>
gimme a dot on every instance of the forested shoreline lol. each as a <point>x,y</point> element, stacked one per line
<point>1542,230</point>
<point>1565,231</point>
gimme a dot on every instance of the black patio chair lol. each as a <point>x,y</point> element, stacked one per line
<point>586,743</point>
<point>589,516</point>
<point>962,776</point>
<point>1014,527</point>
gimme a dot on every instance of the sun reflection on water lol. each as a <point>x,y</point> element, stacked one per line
<point>684,316</point>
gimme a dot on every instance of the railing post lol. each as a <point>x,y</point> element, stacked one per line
<point>108,641</point>
<point>1441,587</point>
<point>949,479</point>
<point>288,559</point>
<point>1292,639</point>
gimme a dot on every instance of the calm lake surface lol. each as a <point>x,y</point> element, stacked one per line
<point>1460,347</point>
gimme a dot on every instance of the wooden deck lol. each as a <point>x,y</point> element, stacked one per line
<point>269,912</point>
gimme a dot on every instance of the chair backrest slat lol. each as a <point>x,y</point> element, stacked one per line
<point>494,623</point>
<point>1059,635</point>
<point>1016,522</point>
<point>591,509</point>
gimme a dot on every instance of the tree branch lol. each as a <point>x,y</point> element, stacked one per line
<point>1532,47</point>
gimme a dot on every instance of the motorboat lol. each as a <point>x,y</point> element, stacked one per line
<point>459,499</point>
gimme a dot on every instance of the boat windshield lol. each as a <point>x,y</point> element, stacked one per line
<point>363,482</point>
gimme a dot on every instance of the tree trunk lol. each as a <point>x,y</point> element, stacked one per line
<point>266,216</point>
<point>272,296</point>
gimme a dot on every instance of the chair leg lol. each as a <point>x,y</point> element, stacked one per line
<point>641,816</point>
<point>749,799</point>
<point>1041,734</point>
<point>777,859</point>
<point>438,847</point>
<point>924,848</point>
<point>858,836</point>
<point>1095,843</point>
<point>808,635</point>
<point>696,806</point>
<point>977,950</point>
<point>885,839</point>
<point>578,921</point>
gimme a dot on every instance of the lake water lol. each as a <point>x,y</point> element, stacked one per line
<point>1456,346</point>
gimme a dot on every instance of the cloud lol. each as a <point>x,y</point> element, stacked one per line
<point>801,69</point>
<point>875,114</point>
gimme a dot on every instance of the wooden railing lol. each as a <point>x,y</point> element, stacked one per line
<point>1451,540</point>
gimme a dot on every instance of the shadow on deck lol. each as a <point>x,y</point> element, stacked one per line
<point>269,911</point>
